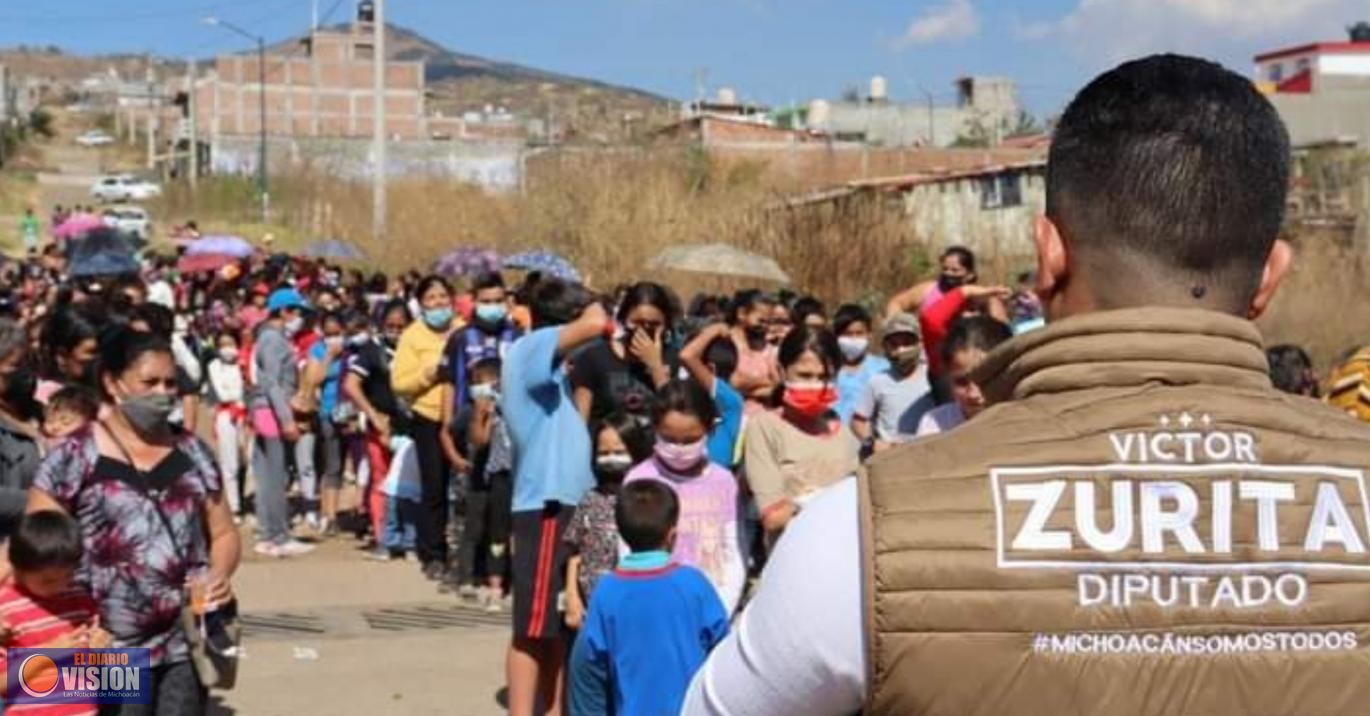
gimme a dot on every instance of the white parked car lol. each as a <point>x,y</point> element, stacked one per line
<point>95,138</point>
<point>130,219</point>
<point>125,188</point>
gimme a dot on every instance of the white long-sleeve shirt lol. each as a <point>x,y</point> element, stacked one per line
<point>227,381</point>
<point>799,647</point>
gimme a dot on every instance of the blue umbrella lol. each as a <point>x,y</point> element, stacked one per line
<point>334,250</point>
<point>467,261</point>
<point>103,252</point>
<point>221,244</point>
<point>544,261</point>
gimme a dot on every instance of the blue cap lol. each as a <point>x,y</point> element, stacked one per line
<point>283,298</point>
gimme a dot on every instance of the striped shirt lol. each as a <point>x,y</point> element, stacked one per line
<point>35,621</point>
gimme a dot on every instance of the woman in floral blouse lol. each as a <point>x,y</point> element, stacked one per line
<point>151,511</point>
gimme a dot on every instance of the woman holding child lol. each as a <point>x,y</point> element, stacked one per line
<point>152,515</point>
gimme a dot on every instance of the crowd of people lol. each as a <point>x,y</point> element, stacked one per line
<point>616,465</point>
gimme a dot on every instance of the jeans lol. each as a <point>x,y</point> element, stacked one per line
<point>400,530</point>
<point>269,469</point>
<point>304,468</point>
<point>176,691</point>
<point>330,454</point>
<point>473,537</point>
<point>435,479</point>
<point>227,432</point>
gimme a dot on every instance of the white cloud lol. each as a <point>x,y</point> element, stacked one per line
<point>1111,30</point>
<point>955,20</point>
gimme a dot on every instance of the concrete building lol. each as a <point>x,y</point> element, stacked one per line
<point>988,104</point>
<point>989,206</point>
<point>1321,90</point>
<point>322,89</point>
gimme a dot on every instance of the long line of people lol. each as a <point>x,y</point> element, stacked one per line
<point>534,408</point>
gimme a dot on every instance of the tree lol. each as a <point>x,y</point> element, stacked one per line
<point>974,135</point>
<point>1024,125</point>
<point>40,122</point>
<point>1359,32</point>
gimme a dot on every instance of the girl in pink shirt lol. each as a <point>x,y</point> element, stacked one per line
<point>707,535</point>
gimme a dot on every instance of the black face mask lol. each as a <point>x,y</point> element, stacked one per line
<point>947,283</point>
<point>757,332</point>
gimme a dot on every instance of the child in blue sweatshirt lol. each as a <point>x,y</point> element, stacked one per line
<point>651,622</point>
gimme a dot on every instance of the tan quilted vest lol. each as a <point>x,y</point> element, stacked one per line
<point>1143,526</point>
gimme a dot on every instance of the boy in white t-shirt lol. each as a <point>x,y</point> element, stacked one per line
<point>893,402</point>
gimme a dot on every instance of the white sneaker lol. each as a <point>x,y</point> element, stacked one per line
<point>267,549</point>
<point>469,592</point>
<point>312,519</point>
<point>293,547</point>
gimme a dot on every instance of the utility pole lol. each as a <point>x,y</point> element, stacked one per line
<point>151,119</point>
<point>932,126</point>
<point>378,170</point>
<point>261,103</point>
<point>261,138</point>
<point>191,108</point>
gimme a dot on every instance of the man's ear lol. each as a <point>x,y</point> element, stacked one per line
<point>1052,266</point>
<point>1277,266</point>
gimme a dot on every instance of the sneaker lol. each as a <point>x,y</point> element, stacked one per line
<point>312,520</point>
<point>470,592</point>
<point>434,571</point>
<point>267,549</point>
<point>490,601</point>
<point>328,527</point>
<point>294,547</point>
<point>379,555</point>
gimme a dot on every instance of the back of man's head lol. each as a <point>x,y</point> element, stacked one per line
<point>1167,175</point>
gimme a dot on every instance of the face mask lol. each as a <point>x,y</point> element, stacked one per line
<point>484,391</point>
<point>148,413</point>
<point>438,318</point>
<point>294,325</point>
<point>491,312</point>
<point>359,340</point>
<point>611,467</point>
<point>391,339</point>
<point>809,400</point>
<point>757,332</point>
<point>333,341</point>
<point>947,282</point>
<point>906,359</point>
<point>228,355</point>
<point>679,457</point>
<point>853,348</point>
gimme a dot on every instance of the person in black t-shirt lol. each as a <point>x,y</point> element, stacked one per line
<point>623,374</point>
<point>367,385</point>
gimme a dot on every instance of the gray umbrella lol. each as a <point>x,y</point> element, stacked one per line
<point>719,260</point>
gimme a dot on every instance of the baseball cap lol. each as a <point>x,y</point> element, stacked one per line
<point>283,298</point>
<point>905,323</point>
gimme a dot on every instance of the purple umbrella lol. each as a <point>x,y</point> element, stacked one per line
<point>467,261</point>
<point>221,244</point>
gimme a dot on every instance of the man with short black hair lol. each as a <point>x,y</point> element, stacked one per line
<point>1140,523</point>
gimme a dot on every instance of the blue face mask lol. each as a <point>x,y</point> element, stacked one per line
<point>491,312</point>
<point>438,318</point>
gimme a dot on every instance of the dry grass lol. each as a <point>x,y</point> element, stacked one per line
<point>609,215</point>
<point>1324,304</point>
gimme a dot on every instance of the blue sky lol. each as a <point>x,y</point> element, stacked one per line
<point>774,51</point>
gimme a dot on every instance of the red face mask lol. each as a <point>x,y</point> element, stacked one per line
<point>809,400</point>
